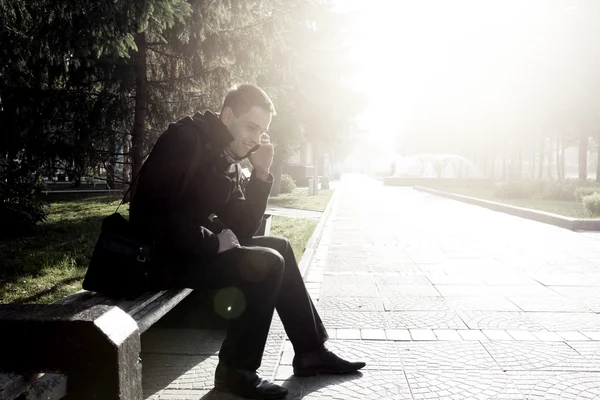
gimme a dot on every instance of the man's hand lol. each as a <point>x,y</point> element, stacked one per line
<point>227,241</point>
<point>262,158</point>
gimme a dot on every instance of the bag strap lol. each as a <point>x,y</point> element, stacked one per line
<point>129,188</point>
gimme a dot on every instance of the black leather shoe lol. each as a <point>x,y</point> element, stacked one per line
<point>323,361</point>
<point>247,384</point>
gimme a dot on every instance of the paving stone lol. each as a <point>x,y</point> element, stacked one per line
<point>471,384</point>
<point>415,303</point>
<point>339,290</point>
<point>472,335</point>
<point>491,290</point>
<point>425,319</point>
<point>347,280</point>
<point>182,341</point>
<point>522,335</point>
<point>546,336</point>
<point>348,334</point>
<point>183,394</point>
<point>531,356</point>
<point>593,335</point>
<point>480,303</point>
<point>496,334</point>
<point>572,335</point>
<point>568,279</point>
<point>166,371</point>
<point>398,280</point>
<point>372,334</point>
<point>345,265</point>
<point>397,334</point>
<point>422,334</point>
<point>446,334</point>
<point>549,303</point>
<point>499,320</point>
<point>576,292</point>
<point>390,385</point>
<point>557,385</point>
<point>379,355</point>
<point>356,320</point>
<point>442,278</point>
<point>590,350</point>
<point>445,356</point>
<point>407,290</point>
<point>350,304</point>
<point>566,321</point>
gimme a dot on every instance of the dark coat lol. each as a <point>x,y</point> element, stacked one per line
<point>187,178</point>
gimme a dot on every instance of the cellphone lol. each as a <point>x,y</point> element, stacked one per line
<point>253,150</point>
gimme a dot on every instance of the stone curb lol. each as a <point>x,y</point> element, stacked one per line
<point>539,216</point>
<point>307,257</point>
<point>311,246</point>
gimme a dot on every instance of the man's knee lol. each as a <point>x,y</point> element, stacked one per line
<point>278,243</point>
<point>265,264</point>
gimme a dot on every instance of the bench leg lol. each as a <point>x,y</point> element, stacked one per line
<point>97,348</point>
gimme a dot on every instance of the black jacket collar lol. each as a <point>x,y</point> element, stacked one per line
<point>218,133</point>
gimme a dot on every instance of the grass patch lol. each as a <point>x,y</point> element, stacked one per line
<point>567,208</point>
<point>297,230</point>
<point>49,263</point>
<point>300,199</point>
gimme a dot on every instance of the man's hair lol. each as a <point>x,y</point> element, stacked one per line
<point>244,97</point>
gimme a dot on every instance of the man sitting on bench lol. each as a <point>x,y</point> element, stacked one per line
<point>193,174</point>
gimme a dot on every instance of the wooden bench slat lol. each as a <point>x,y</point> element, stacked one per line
<point>155,310</point>
<point>133,306</point>
<point>13,385</point>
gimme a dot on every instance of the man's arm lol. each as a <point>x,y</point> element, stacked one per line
<point>243,212</point>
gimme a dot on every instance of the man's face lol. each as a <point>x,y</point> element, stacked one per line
<point>246,129</point>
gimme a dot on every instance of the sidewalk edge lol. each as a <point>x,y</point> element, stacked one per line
<point>314,240</point>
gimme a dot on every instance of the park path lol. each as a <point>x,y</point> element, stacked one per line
<point>444,300</point>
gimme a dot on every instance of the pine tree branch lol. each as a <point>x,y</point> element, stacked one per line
<point>168,55</point>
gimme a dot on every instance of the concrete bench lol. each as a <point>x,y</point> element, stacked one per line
<point>88,340</point>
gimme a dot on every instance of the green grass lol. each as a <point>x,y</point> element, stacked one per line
<point>50,263</point>
<point>297,230</point>
<point>300,199</point>
<point>572,209</point>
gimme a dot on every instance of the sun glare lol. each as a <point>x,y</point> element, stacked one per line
<point>452,57</point>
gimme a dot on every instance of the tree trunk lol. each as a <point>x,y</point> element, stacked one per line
<point>316,167</point>
<point>542,153</point>
<point>598,159</point>
<point>141,104</point>
<point>583,148</point>
<point>532,165</point>
<point>126,167</point>
<point>550,158</point>
<point>276,170</point>
<point>110,164</point>
<point>519,170</point>
<point>559,144</point>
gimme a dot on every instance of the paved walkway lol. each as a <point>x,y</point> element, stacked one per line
<point>443,299</point>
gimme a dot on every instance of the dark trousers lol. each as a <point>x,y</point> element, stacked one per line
<point>253,281</point>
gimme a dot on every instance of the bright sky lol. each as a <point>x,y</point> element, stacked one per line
<point>456,55</point>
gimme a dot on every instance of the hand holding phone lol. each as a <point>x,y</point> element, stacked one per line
<point>227,241</point>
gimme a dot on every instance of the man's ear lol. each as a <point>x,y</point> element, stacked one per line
<point>226,114</point>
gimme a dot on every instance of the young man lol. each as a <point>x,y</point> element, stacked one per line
<point>193,174</point>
